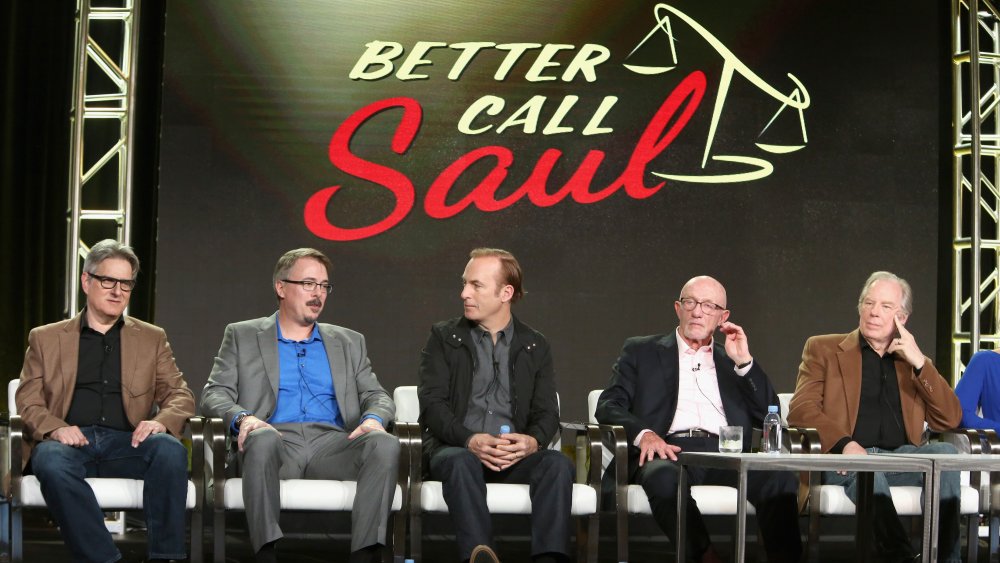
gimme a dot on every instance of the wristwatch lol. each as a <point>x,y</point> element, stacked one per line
<point>239,419</point>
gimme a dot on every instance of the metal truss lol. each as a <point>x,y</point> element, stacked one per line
<point>100,181</point>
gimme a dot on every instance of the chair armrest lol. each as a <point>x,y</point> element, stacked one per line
<point>588,454</point>
<point>614,436</point>
<point>802,440</point>
<point>215,437</point>
<point>16,457</point>
<point>411,449</point>
<point>410,452</point>
<point>196,426</point>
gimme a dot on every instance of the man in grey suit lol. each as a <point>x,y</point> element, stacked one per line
<point>302,401</point>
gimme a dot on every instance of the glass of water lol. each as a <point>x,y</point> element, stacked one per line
<point>731,439</point>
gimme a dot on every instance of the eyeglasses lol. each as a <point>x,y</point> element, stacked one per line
<point>707,307</point>
<point>109,282</point>
<point>310,285</point>
<point>887,308</point>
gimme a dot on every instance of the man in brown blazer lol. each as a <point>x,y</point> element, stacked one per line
<point>871,391</point>
<point>101,396</point>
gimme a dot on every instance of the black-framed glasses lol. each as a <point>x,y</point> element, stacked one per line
<point>310,285</point>
<point>707,307</point>
<point>108,282</point>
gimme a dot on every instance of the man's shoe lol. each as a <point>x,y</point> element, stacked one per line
<point>483,554</point>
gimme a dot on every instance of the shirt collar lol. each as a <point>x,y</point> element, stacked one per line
<point>685,349</point>
<point>84,325</point>
<point>313,336</point>
<point>506,332</point>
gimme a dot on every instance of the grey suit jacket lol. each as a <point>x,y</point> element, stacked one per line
<point>245,374</point>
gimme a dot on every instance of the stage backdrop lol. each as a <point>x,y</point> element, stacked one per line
<point>788,148</point>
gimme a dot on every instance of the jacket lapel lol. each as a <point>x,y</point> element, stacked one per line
<point>129,355</point>
<point>849,359</point>
<point>69,357</point>
<point>726,378</point>
<point>337,357</point>
<point>670,364</point>
<point>267,340</point>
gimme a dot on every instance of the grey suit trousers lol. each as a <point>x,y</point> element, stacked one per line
<point>319,451</point>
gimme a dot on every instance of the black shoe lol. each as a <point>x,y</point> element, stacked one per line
<point>266,554</point>
<point>370,554</point>
<point>483,554</point>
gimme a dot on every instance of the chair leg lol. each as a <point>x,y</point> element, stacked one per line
<point>16,545</point>
<point>972,538</point>
<point>197,536</point>
<point>593,537</point>
<point>416,534</point>
<point>622,529</point>
<point>581,540</point>
<point>219,536</point>
<point>397,537</point>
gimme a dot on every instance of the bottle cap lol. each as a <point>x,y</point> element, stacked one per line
<point>772,408</point>
<point>504,429</point>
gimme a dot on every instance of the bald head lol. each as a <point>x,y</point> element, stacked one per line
<point>707,301</point>
<point>705,283</point>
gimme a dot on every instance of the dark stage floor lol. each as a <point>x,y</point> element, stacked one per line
<point>307,544</point>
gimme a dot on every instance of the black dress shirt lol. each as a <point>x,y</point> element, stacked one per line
<point>97,397</point>
<point>880,416</point>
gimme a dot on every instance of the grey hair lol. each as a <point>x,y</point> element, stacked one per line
<point>110,248</point>
<point>288,260</point>
<point>907,303</point>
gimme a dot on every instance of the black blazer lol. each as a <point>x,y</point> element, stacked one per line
<point>447,366</point>
<point>643,390</point>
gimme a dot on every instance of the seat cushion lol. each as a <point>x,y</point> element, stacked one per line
<point>713,500</point>
<point>505,498</point>
<point>112,494</point>
<point>306,494</point>
<point>834,501</point>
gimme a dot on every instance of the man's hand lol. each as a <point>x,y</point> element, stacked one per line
<point>69,435</point>
<point>652,446</point>
<point>369,425</point>
<point>737,347</point>
<point>906,346</point>
<point>249,424</point>
<point>521,446</point>
<point>144,429</point>
<point>487,449</point>
<point>852,448</point>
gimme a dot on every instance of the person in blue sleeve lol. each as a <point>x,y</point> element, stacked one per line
<point>979,391</point>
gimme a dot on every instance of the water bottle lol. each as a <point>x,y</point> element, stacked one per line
<point>771,443</point>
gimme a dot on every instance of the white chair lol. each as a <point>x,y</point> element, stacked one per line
<point>832,500</point>
<point>502,498</point>
<point>304,495</point>
<point>112,494</point>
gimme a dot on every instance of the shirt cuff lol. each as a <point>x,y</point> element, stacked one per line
<point>744,370</point>
<point>838,448</point>
<point>639,437</point>
<point>377,418</point>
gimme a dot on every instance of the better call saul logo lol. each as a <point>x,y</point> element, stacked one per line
<point>640,177</point>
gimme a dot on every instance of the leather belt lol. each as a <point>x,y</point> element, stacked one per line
<point>692,433</point>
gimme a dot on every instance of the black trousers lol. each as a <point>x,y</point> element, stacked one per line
<point>549,476</point>
<point>773,494</point>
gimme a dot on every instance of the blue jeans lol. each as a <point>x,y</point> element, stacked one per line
<point>160,460</point>
<point>891,538</point>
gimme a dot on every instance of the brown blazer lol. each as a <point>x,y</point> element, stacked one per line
<point>828,392</point>
<point>149,378</point>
